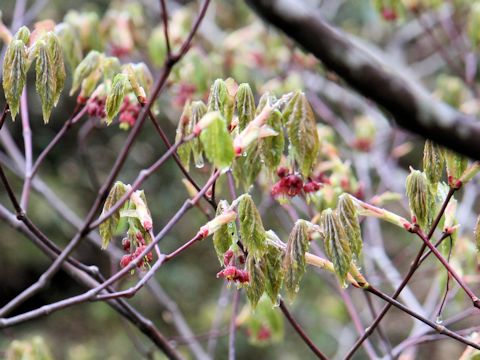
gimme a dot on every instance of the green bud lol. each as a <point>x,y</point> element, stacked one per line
<point>14,74</point>
<point>419,197</point>
<point>245,105</point>
<point>22,34</point>
<point>86,67</point>
<point>456,166</point>
<point>116,96</point>
<point>433,162</point>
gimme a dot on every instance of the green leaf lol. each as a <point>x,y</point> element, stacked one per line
<point>456,166</point>
<point>433,163</point>
<point>87,66</point>
<point>22,34</point>
<point>14,74</point>
<point>336,244</point>
<point>421,201</point>
<point>256,283</point>
<point>223,238</point>
<point>56,55</point>
<point>247,167</point>
<point>272,146</point>
<point>46,80</point>
<point>294,264</point>
<point>347,213</point>
<point>71,44</point>
<point>251,227</point>
<point>185,128</point>
<point>302,132</point>
<point>217,142</point>
<point>245,103</point>
<point>221,99</point>
<point>108,227</point>
<point>116,96</point>
<point>274,272</point>
<point>198,111</point>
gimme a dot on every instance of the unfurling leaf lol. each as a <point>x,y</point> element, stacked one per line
<point>216,140</point>
<point>71,44</point>
<point>256,283</point>
<point>247,166</point>
<point>302,132</point>
<point>56,55</point>
<point>141,209</point>
<point>337,247</point>
<point>46,79</point>
<point>272,146</point>
<point>223,238</point>
<point>347,214</point>
<point>433,162</point>
<point>221,99</point>
<point>108,227</point>
<point>87,66</point>
<point>456,165</point>
<point>251,227</point>
<point>294,259</point>
<point>245,105</point>
<point>14,74</point>
<point>137,89</point>
<point>184,128</point>
<point>116,96</point>
<point>274,272</point>
<point>420,198</point>
<point>470,172</point>
<point>198,109</point>
<point>22,34</point>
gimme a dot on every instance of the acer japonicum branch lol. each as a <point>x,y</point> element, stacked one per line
<point>406,101</point>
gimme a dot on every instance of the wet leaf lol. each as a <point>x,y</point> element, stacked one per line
<point>302,132</point>
<point>245,103</point>
<point>347,214</point>
<point>56,55</point>
<point>223,238</point>
<point>46,79</point>
<point>217,142</point>
<point>251,227</point>
<point>256,285</point>
<point>336,243</point>
<point>116,96</point>
<point>14,74</point>
<point>294,264</point>
<point>108,227</point>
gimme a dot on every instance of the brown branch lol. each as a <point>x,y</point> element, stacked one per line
<point>409,104</point>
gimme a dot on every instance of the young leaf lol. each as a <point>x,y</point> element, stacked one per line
<point>22,34</point>
<point>116,96</point>
<point>216,140</point>
<point>264,325</point>
<point>221,99</point>
<point>56,55</point>
<point>247,167</point>
<point>46,80</point>
<point>198,110</point>
<point>14,74</point>
<point>251,227</point>
<point>419,198</point>
<point>256,283</point>
<point>272,146</point>
<point>294,260</point>
<point>86,67</point>
<point>108,227</point>
<point>302,132</point>
<point>433,162</point>
<point>456,165</point>
<point>274,272</point>
<point>347,214</point>
<point>184,128</point>
<point>223,238</point>
<point>71,45</point>
<point>245,104</point>
<point>336,244</point>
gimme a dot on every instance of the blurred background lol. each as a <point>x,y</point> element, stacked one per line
<point>233,42</point>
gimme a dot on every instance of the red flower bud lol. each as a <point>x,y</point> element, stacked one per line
<point>125,260</point>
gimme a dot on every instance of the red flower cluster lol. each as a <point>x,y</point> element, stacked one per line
<point>232,273</point>
<point>141,246</point>
<point>128,113</point>
<point>292,184</point>
<point>96,107</point>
